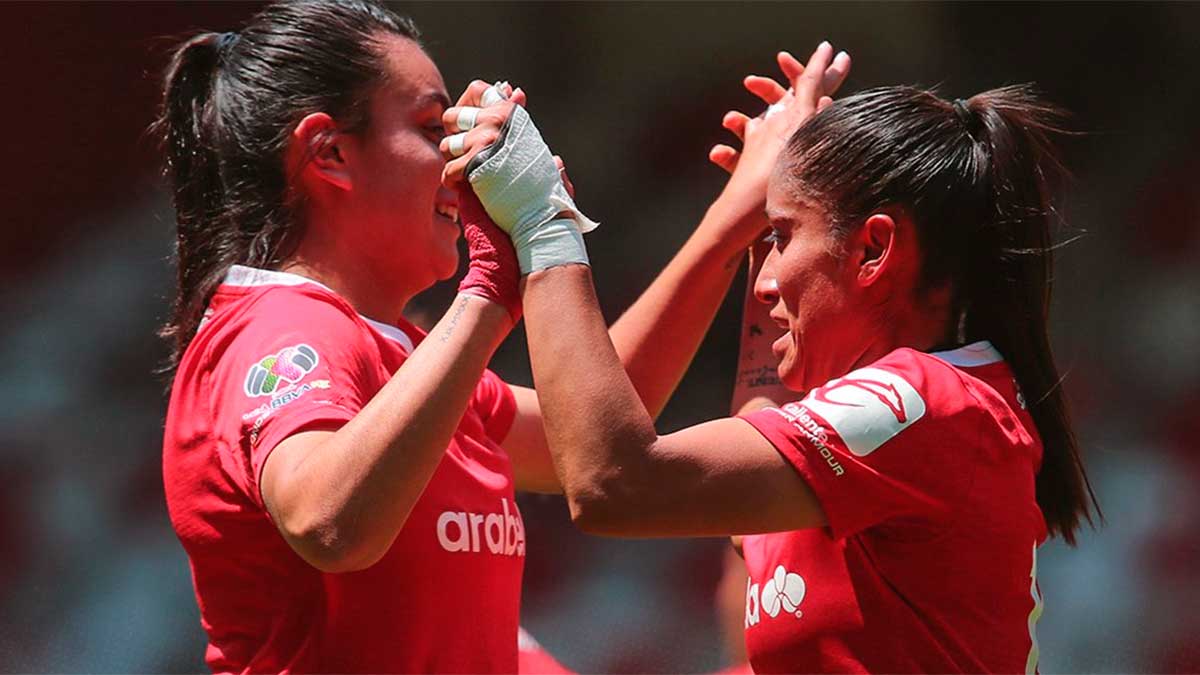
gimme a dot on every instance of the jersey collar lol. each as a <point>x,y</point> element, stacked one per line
<point>245,276</point>
<point>976,354</point>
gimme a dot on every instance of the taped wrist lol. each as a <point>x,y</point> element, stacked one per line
<point>519,185</point>
<point>492,270</point>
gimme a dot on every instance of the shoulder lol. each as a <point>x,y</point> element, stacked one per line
<point>280,325</point>
<point>869,406</point>
<point>928,383</point>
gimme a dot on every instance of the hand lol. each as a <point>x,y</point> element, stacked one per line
<point>488,122</point>
<point>492,269</point>
<point>764,137</point>
<point>520,183</point>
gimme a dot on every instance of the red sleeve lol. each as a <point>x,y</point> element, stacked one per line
<point>890,443</point>
<point>493,400</point>
<point>302,363</point>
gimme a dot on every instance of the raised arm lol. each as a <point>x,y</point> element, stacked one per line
<point>340,497</point>
<point>620,477</point>
<point>659,334</point>
<point>657,337</point>
<point>756,384</point>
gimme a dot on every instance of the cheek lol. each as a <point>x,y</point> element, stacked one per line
<point>405,168</point>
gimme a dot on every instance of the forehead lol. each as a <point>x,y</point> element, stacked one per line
<point>784,199</point>
<point>412,77</point>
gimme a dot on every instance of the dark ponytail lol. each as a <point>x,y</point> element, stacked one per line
<point>204,249</point>
<point>230,102</point>
<point>977,178</point>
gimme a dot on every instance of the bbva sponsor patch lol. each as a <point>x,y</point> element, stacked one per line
<point>867,407</point>
<point>288,366</point>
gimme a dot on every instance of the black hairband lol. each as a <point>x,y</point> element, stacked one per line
<point>226,40</point>
<point>968,119</point>
<point>963,112</point>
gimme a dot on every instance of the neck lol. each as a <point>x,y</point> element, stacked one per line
<point>926,327</point>
<point>384,302</point>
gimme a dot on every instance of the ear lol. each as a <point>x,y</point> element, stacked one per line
<point>875,248</point>
<point>315,151</point>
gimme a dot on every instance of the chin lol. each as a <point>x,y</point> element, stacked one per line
<point>794,382</point>
<point>447,267</point>
<point>790,374</point>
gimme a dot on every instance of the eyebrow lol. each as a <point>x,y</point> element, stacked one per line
<point>433,97</point>
<point>778,214</point>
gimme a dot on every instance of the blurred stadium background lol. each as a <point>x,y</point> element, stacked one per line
<point>92,578</point>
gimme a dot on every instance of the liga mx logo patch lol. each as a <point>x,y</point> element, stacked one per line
<point>289,366</point>
<point>867,407</point>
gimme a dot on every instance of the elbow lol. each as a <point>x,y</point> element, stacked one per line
<point>608,509</point>
<point>330,548</point>
<point>611,499</point>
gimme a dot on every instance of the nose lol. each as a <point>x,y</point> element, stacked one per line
<point>766,287</point>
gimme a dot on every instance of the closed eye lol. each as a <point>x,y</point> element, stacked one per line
<point>436,132</point>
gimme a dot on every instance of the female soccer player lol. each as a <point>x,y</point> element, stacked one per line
<point>897,507</point>
<point>342,483</point>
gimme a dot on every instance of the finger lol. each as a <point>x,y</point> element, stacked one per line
<point>724,156</point>
<point>495,94</point>
<point>808,84</point>
<point>562,175</point>
<point>736,122</point>
<point>790,65</point>
<point>836,74</point>
<point>765,88</point>
<point>466,118</point>
<point>471,94</point>
<point>460,118</point>
<point>472,142</point>
<point>824,103</point>
<point>454,145</point>
<point>518,97</point>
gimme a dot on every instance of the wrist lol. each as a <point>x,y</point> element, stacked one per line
<point>558,242</point>
<point>731,224</point>
<point>492,316</point>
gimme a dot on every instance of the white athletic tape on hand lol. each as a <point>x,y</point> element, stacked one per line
<point>454,143</point>
<point>467,115</point>
<point>493,94</point>
<point>522,190</point>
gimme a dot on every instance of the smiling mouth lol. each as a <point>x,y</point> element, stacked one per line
<point>447,210</point>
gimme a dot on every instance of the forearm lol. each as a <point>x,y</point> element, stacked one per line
<point>619,476</point>
<point>658,336</point>
<point>596,425</point>
<point>347,498</point>
<point>757,384</point>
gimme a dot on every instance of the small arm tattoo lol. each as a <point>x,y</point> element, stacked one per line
<point>762,376</point>
<point>458,312</point>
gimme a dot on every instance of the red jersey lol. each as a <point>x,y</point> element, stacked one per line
<point>278,354</point>
<point>924,465</point>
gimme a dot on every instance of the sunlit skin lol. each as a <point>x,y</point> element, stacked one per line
<point>842,304</point>
<point>380,227</point>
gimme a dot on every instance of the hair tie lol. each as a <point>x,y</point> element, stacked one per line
<point>226,40</point>
<point>966,117</point>
<point>963,112</point>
